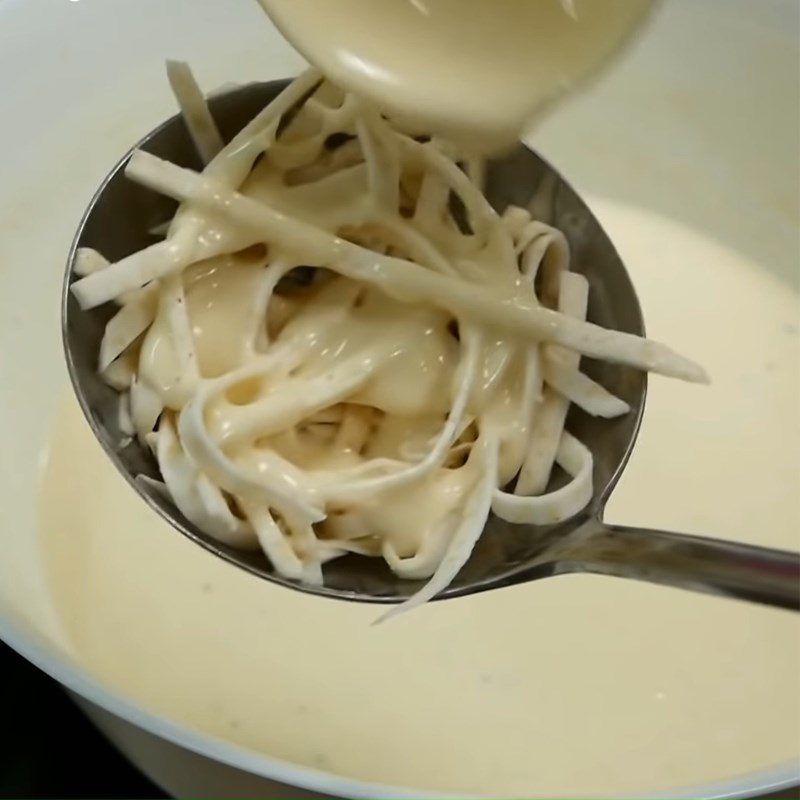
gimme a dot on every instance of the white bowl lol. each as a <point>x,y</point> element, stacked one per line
<point>689,147</point>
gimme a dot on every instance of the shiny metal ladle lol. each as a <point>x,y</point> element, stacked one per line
<point>117,223</point>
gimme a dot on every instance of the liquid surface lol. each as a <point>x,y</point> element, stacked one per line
<point>467,67</point>
<point>576,685</point>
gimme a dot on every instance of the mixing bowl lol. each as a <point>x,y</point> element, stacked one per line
<point>687,150</point>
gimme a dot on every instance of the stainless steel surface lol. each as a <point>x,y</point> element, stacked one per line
<point>116,223</point>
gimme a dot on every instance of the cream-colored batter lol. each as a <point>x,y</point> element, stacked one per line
<point>570,686</point>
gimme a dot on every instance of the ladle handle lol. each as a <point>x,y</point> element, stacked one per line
<point>759,574</point>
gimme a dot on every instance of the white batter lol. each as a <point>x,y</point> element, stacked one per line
<point>576,685</point>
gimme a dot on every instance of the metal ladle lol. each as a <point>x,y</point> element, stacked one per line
<point>117,223</point>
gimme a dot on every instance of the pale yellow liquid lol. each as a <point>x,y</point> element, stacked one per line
<point>478,69</point>
<point>572,686</point>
